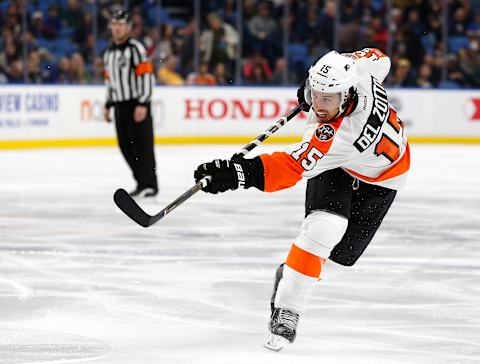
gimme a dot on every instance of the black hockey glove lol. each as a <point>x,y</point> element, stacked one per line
<point>301,95</point>
<point>231,174</point>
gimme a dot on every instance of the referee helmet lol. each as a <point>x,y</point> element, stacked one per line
<point>121,16</point>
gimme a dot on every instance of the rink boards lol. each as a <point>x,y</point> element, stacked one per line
<point>56,115</point>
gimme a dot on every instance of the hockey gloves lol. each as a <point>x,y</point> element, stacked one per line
<point>303,95</point>
<point>231,174</point>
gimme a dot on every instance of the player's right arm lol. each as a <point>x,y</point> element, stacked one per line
<point>283,169</point>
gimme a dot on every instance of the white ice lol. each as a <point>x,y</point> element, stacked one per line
<point>79,281</point>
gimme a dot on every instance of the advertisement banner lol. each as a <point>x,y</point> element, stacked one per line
<point>438,113</point>
<point>50,112</point>
<point>29,113</point>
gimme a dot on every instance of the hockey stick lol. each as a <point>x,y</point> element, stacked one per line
<point>128,205</point>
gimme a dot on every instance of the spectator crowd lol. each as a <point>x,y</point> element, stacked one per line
<point>61,41</point>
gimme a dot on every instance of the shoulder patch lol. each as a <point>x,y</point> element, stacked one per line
<point>325,132</point>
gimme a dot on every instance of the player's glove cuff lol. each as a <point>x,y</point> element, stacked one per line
<point>231,174</point>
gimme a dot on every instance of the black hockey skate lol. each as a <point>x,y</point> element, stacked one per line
<point>283,329</point>
<point>278,277</point>
<point>283,322</point>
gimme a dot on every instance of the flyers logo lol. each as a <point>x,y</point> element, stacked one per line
<point>325,132</point>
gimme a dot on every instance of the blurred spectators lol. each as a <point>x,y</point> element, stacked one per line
<point>36,27</point>
<point>186,47</point>
<point>203,77</point>
<point>424,79</point>
<point>402,74</point>
<point>220,74</point>
<point>64,74</point>
<point>164,47</point>
<point>249,9</point>
<point>47,65</point>
<point>257,69</point>
<point>12,19</point>
<point>15,72</point>
<point>52,24</point>
<point>87,48</point>
<point>98,71</point>
<point>218,42</point>
<point>73,16</point>
<point>58,44</point>
<point>167,74</point>
<point>258,76</point>
<point>458,25</point>
<point>138,29</point>
<point>279,71</point>
<point>469,62</point>
<point>377,34</point>
<point>77,69</point>
<point>34,72</point>
<point>262,29</point>
<point>9,55</point>
<point>327,22</point>
<point>262,25</point>
<point>473,29</point>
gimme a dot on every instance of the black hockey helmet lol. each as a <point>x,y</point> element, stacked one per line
<point>121,16</point>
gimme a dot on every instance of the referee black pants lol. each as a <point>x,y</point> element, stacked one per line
<point>136,143</point>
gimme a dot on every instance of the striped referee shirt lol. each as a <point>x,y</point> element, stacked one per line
<point>128,73</point>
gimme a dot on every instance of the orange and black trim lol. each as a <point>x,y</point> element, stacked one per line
<point>396,170</point>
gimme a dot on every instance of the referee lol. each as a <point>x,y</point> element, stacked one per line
<point>129,79</point>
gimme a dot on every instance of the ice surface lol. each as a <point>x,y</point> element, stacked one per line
<point>81,282</point>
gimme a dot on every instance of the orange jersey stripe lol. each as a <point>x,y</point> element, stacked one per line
<point>399,168</point>
<point>280,171</point>
<point>142,68</point>
<point>304,262</point>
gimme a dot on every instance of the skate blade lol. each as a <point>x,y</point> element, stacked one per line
<point>275,342</point>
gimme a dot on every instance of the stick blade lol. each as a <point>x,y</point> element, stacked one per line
<point>127,204</point>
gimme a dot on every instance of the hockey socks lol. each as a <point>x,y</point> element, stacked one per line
<point>301,272</point>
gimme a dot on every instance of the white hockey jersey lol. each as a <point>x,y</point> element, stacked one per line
<point>369,142</point>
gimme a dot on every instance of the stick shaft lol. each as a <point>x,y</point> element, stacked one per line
<point>126,203</point>
<point>272,129</point>
<point>181,199</point>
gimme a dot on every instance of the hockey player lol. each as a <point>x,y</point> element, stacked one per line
<point>355,155</point>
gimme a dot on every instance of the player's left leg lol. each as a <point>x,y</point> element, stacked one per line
<point>370,204</point>
<point>327,209</point>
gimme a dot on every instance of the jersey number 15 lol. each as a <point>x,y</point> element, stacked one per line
<point>386,146</point>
